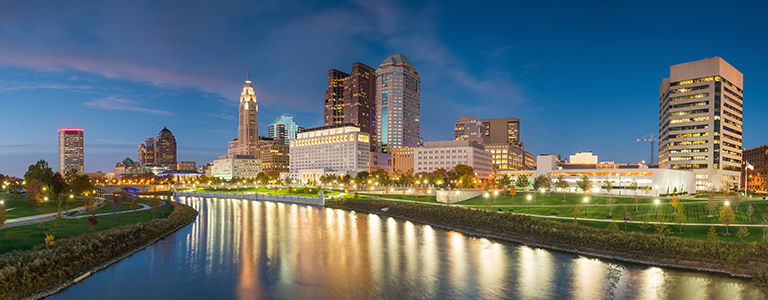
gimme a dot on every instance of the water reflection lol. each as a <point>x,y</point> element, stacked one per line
<point>241,249</point>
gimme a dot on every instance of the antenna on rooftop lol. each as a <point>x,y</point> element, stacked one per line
<point>248,75</point>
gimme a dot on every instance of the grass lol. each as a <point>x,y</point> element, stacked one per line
<point>26,237</point>
<point>691,232</point>
<point>311,191</point>
<point>22,208</point>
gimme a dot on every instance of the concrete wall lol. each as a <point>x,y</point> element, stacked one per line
<point>444,196</point>
<point>320,200</point>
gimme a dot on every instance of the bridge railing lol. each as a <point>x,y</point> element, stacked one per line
<point>257,197</point>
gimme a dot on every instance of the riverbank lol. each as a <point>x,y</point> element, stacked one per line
<point>45,270</point>
<point>748,260</point>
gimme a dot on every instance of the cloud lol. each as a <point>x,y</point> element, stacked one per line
<point>51,87</point>
<point>112,103</point>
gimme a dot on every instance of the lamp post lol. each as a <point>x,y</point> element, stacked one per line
<point>656,208</point>
<point>529,204</point>
<point>495,195</point>
<point>457,196</point>
<point>586,207</point>
<point>486,201</point>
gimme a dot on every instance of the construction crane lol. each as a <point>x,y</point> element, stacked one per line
<point>653,146</point>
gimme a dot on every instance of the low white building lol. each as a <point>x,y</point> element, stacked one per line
<point>448,154</point>
<point>234,165</point>
<point>583,158</point>
<point>338,149</point>
<point>650,181</point>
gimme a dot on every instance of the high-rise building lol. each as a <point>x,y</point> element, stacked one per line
<point>700,121</point>
<point>755,178</point>
<point>468,128</point>
<point>350,98</point>
<point>165,148</point>
<point>501,130</point>
<point>274,157</point>
<point>397,104</point>
<point>71,150</point>
<point>337,149</point>
<point>283,129</point>
<point>248,128</point>
<point>146,152</point>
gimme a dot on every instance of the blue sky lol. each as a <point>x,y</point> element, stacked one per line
<point>580,76</point>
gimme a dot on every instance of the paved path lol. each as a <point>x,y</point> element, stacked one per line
<point>23,221</point>
<point>143,207</point>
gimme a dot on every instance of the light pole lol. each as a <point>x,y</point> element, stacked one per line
<point>486,201</point>
<point>529,204</point>
<point>586,207</point>
<point>656,208</point>
<point>495,195</point>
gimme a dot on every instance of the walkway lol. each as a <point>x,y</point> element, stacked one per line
<point>23,221</point>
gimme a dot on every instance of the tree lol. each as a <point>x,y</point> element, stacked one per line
<point>610,202</point>
<point>626,216</point>
<point>750,211</point>
<point>93,220</point>
<point>675,202</point>
<point>662,228</point>
<point>9,234</point>
<point>608,186</point>
<point>561,184</point>
<point>712,234</point>
<point>58,185</point>
<point>513,192</point>
<point>742,233</point>
<point>575,214</point>
<point>117,200</point>
<point>680,217</point>
<point>504,182</point>
<point>633,186</point>
<point>644,223</point>
<point>154,203</point>
<point>765,226</point>
<point>134,204</point>
<point>522,182</point>
<point>35,192</point>
<point>584,184</point>
<point>362,177</point>
<point>736,202</point>
<point>3,215</point>
<point>540,182</point>
<point>711,203</point>
<point>40,171</point>
<point>726,217</point>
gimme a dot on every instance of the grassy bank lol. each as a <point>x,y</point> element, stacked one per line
<point>23,273</point>
<point>742,259</point>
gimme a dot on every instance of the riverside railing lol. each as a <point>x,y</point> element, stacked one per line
<point>320,200</point>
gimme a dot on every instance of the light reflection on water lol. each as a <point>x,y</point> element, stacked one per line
<point>241,249</point>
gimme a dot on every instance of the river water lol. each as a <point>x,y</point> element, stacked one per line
<point>239,249</point>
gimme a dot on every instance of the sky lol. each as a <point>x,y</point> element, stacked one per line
<point>580,76</point>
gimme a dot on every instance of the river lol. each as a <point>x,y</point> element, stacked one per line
<point>240,249</point>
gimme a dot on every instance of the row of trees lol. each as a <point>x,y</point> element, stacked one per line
<point>42,183</point>
<point>460,176</point>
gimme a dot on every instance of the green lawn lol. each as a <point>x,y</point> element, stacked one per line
<point>26,237</point>
<point>17,206</point>
<point>311,191</point>
<point>691,232</point>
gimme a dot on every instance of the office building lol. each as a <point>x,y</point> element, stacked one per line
<point>146,152</point>
<point>402,159</point>
<point>501,131</point>
<point>755,178</point>
<point>506,157</point>
<point>165,148</point>
<point>187,166</point>
<point>380,161</point>
<point>284,129</point>
<point>583,158</point>
<point>397,104</point>
<point>337,149</point>
<point>236,166</point>
<point>127,167</point>
<point>468,128</point>
<point>71,144</point>
<point>449,154</point>
<point>700,121</point>
<point>350,98</point>
<point>274,157</point>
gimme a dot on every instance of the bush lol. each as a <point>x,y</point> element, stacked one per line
<point>22,273</point>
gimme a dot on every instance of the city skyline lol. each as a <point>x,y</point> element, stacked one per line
<point>600,73</point>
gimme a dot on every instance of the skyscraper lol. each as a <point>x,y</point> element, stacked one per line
<point>248,128</point>
<point>397,104</point>
<point>700,121</point>
<point>165,148</point>
<point>468,128</point>
<point>146,152</point>
<point>283,129</point>
<point>350,98</point>
<point>71,150</point>
<point>501,130</point>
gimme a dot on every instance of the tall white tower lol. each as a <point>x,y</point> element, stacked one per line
<point>248,128</point>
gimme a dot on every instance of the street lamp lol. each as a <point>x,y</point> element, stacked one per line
<point>656,208</point>
<point>586,206</point>
<point>529,204</point>
<point>486,200</point>
<point>495,195</point>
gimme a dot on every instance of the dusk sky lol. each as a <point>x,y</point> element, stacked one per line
<point>581,77</point>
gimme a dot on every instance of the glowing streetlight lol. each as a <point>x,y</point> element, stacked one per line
<point>727,203</point>
<point>529,204</point>
<point>586,206</point>
<point>656,208</point>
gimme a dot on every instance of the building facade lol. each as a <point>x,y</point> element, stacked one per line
<point>351,98</point>
<point>398,110</point>
<point>240,166</point>
<point>71,155</point>
<point>501,130</point>
<point>468,128</point>
<point>583,158</point>
<point>187,166</point>
<point>700,121</point>
<point>381,161</point>
<point>506,157</point>
<point>755,179</point>
<point>165,148</point>
<point>274,157</point>
<point>446,155</point>
<point>336,148</point>
<point>127,167</point>
<point>402,159</point>
<point>283,129</point>
<point>146,152</point>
